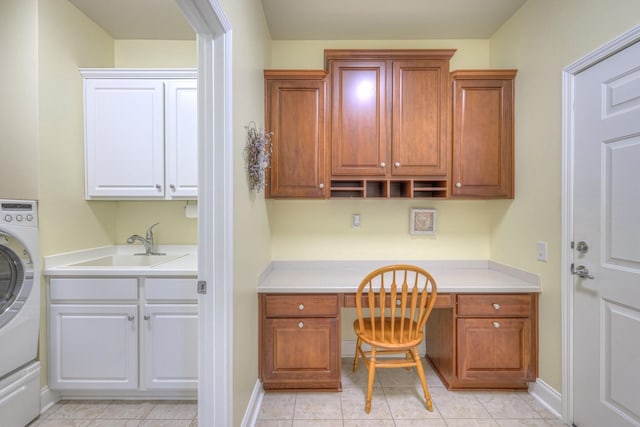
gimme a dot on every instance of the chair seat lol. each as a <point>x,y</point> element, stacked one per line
<point>401,340</point>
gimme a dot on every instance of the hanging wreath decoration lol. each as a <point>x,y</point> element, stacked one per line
<point>257,154</point>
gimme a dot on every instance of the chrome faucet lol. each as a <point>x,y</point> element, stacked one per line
<point>147,242</point>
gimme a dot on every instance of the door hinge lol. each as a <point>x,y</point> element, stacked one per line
<point>202,287</point>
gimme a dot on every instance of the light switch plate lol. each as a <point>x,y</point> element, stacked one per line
<point>541,251</point>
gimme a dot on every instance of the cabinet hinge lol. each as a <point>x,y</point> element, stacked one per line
<point>572,244</point>
<point>202,287</point>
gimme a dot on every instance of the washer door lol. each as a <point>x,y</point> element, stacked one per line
<point>16,277</point>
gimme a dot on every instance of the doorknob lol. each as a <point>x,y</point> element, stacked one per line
<point>582,247</point>
<point>581,271</point>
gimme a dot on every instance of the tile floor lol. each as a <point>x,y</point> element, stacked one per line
<point>397,402</point>
<point>104,413</point>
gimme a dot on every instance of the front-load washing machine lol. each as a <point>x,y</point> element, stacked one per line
<point>19,308</point>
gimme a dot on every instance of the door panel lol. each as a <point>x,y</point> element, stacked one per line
<point>606,310</point>
<point>358,129</point>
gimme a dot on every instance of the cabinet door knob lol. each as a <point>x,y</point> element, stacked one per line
<point>458,185</point>
<point>383,164</point>
<point>131,317</point>
<point>300,325</point>
<point>496,306</point>
<point>496,325</point>
<point>158,187</point>
<point>321,185</point>
<point>397,164</point>
<point>301,307</point>
<point>147,317</point>
<point>173,187</point>
<point>398,302</point>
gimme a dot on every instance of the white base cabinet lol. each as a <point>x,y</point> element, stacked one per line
<point>95,346</point>
<point>128,334</point>
<point>170,342</point>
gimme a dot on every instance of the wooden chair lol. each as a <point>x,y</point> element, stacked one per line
<point>393,305</point>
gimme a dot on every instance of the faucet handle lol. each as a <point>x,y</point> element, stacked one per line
<point>150,231</point>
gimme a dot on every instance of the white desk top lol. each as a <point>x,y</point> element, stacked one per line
<point>345,276</point>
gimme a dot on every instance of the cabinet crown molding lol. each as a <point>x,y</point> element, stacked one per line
<point>330,54</point>
<point>295,74</point>
<point>139,73</point>
<point>484,74</point>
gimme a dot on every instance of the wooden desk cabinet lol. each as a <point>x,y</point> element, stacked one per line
<point>474,341</point>
<point>485,341</point>
<point>300,342</point>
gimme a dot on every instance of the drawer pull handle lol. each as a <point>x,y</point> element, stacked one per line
<point>301,307</point>
<point>131,317</point>
<point>496,306</point>
<point>496,325</point>
<point>147,317</point>
<point>300,325</point>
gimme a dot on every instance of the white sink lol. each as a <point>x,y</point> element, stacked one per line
<point>128,261</point>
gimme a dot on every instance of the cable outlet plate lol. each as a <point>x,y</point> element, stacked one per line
<point>355,220</point>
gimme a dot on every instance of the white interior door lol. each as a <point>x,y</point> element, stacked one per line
<point>606,206</point>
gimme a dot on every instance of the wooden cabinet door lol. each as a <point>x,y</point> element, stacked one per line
<point>494,351</point>
<point>93,347</point>
<point>300,353</point>
<point>124,138</point>
<point>420,135</point>
<point>181,140</point>
<point>296,114</point>
<point>170,346</point>
<point>483,134</point>
<point>359,118</point>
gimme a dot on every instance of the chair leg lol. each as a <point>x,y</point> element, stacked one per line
<point>355,358</point>
<point>372,375</point>
<point>427,396</point>
<point>408,356</point>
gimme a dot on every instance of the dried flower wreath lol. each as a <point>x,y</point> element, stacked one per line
<point>257,154</point>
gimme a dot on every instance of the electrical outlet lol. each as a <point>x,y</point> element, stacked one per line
<point>541,251</point>
<point>355,220</point>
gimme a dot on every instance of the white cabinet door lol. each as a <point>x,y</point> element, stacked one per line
<point>170,346</point>
<point>93,347</point>
<point>181,139</point>
<point>124,138</point>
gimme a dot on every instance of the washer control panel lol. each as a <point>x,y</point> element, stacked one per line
<point>18,212</point>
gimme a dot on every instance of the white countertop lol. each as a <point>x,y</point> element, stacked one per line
<point>475,276</point>
<point>183,262</point>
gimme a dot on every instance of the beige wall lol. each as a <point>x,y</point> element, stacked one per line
<point>19,101</point>
<point>67,40</point>
<point>251,52</point>
<point>542,38</point>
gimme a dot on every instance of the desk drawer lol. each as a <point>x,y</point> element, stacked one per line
<point>494,305</point>
<point>303,305</point>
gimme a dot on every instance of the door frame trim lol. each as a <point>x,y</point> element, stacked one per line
<point>215,210</point>
<point>569,75</point>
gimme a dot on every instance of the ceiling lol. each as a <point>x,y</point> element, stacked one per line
<point>317,20</point>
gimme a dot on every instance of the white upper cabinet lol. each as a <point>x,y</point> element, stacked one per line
<point>140,134</point>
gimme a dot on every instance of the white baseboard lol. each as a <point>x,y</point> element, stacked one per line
<point>253,408</point>
<point>48,398</point>
<point>548,396</point>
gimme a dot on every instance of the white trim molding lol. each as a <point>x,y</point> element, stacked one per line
<point>253,407</point>
<point>48,398</point>
<point>215,210</point>
<point>549,397</point>
<point>568,79</point>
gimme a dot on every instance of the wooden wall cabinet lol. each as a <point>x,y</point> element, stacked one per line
<point>485,341</point>
<point>300,342</point>
<point>483,102</point>
<point>296,114</point>
<point>389,112</point>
